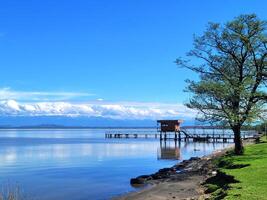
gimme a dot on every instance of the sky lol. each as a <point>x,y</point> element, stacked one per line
<point>101,57</point>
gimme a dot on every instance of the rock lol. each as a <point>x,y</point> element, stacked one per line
<point>165,170</point>
<point>137,181</point>
<point>146,177</point>
<point>194,158</point>
<point>173,169</point>
<point>189,169</point>
<point>179,166</point>
<point>157,175</point>
<point>140,180</point>
<point>213,173</point>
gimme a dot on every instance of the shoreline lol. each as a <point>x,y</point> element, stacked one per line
<point>181,181</point>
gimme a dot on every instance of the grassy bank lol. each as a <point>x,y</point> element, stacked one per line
<point>241,177</point>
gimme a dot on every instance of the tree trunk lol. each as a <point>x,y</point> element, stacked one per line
<point>239,149</point>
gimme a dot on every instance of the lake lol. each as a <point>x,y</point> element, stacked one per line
<point>70,164</point>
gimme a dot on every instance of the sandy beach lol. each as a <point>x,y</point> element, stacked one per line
<point>188,187</point>
<point>184,184</point>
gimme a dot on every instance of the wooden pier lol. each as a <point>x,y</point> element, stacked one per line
<point>171,130</point>
<point>132,135</point>
<point>181,135</point>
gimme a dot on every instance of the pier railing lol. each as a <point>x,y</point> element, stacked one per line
<point>132,134</point>
<point>185,135</point>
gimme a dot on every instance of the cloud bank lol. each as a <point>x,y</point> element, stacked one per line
<point>7,93</point>
<point>117,110</point>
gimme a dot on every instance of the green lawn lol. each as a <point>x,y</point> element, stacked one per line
<point>249,172</point>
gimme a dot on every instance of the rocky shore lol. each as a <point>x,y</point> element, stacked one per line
<point>185,166</point>
<point>181,181</point>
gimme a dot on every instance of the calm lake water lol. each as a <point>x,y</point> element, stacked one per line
<point>82,164</point>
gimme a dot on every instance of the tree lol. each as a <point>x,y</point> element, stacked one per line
<point>231,61</point>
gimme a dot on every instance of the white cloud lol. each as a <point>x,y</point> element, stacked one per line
<point>119,110</point>
<point>7,93</point>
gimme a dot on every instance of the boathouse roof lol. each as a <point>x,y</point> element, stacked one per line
<point>169,125</point>
<point>179,121</point>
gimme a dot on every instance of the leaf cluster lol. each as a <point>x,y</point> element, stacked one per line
<point>232,85</point>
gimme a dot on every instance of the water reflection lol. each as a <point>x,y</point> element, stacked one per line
<point>169,150</point>
<point>82,164</point>
<point>177,150</point>
<point>169,153</point>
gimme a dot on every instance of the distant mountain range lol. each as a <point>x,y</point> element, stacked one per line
<point>74,122</point>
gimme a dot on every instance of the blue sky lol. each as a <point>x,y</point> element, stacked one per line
<point>116,51</point>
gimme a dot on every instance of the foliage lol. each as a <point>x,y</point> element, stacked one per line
<point>232,73</point>
<point>261,127</point>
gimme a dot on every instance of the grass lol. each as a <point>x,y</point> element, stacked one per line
<point>241,177</point>
<point>10,191</point>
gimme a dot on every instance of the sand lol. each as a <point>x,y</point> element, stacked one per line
<point>188,188</point>
<point>183,185</point>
